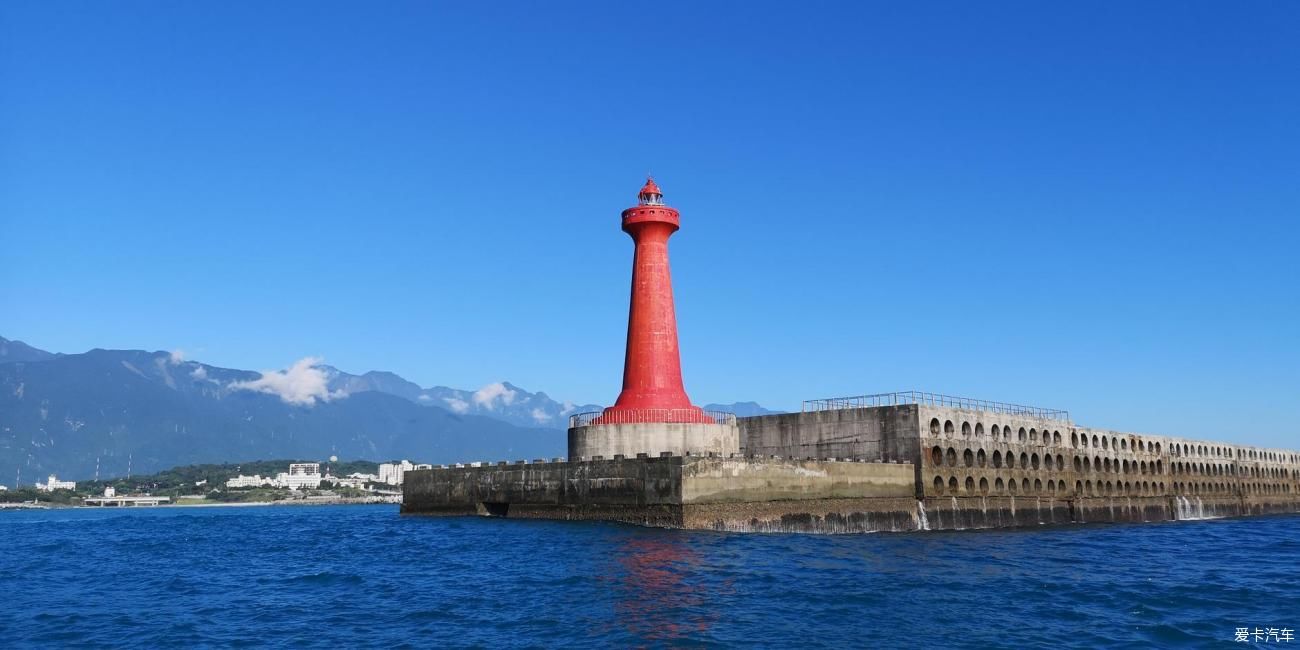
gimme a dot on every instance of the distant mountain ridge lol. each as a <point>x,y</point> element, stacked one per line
<point>19,351</point>
<point>66,413</point>
<point>503,400</point>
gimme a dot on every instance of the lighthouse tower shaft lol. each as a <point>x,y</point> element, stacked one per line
<point>652,371</point>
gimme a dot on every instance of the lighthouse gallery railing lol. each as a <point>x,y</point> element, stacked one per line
<point>643,416</point>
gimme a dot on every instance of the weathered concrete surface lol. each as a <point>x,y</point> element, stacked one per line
<point>622,482</point>
<point>827,516</point>
<point>678,492</point>
<point>951,468</point>
<point>884,433</point>
<point>653,439</point>
<point>747,480</point>
<point>996,512</point>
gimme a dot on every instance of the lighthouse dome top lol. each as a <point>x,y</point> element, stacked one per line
<point>650,194</point>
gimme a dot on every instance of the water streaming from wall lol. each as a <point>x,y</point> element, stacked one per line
<point>1189,510</point>
<point>922,519</point>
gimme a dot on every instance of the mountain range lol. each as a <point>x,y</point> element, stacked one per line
<point>120,411</point>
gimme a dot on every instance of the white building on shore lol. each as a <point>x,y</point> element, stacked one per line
<point>393,473</point>
<point>300,476</point>
<point>242,481</point>
<point>55,484</point>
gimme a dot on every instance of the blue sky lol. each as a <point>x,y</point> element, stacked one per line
<point>1090,207</point>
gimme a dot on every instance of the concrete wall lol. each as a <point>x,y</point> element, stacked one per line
<point>977,453</point>
<point>967,469</point>
<point>885,433</point>
<point>693,492</point>
<point>653,439</point>
<point>741,480</point>
<point>615,481</point>
<point>960,452</point>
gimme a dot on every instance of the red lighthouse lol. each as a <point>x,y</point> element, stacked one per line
<point>652,370</point>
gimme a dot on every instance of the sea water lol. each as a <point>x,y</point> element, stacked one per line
<point>363,576</point>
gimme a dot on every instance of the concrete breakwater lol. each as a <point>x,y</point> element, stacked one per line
<point>898,467</point>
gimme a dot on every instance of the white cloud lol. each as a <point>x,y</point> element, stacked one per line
<point>176,356</point>
<point>487,396</point>
<point>302,383</point>
<point>199,372</point>
<point>425,398</point>
<point>540,415</point>
<point>457,404</point>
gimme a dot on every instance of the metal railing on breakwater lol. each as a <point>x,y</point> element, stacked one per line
<point>930,399</point>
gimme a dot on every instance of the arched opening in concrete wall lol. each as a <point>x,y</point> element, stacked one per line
<point>952,457</point>
<point>1056,438</point>
<point>1022,435</point>
<point>1123,444</point>
<point>984,486</point>
<point>1038,485</point>
<point>936,456</point>
<point>1105,463</point>
<point>952,484</point>
<point>934,427</point>
<point>947,428</point>
<point>1074,440</point>
<point>1078,464</point>
<point>995,431</point>
<point>981,458</point>
<point>965,429</point>
<point>968,457</point>
<point>1047,461</point>
<point>1060,461</point>
<point>997,459</point>
<point>1033,461</point>
<point>1024,460</point>
<point>938,485</point>
<point>999,485</point>
<point>970,485</point>
<point>1006,432</point>
<point>1033,435</point>
<point>1142,466</point>
<point>1078,487</point>
<point>1011,486</point>
<point>1114,442</point>
<point>1011,460</point>
<point>1105,442</point>
<point>979,429</point>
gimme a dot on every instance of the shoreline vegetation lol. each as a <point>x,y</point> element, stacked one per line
<point>205,485</point>
<point>208,503</point>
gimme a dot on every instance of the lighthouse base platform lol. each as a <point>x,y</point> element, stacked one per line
<point>733,493</point>
<point>600,441</point>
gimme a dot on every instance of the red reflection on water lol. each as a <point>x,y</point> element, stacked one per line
<point>657,600</point>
